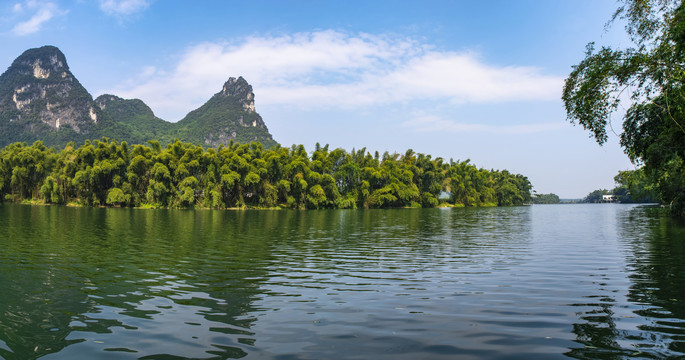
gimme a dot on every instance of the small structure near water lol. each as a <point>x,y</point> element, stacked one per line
<point>609,199</point>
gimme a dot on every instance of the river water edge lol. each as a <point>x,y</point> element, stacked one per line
<point>595,281</point>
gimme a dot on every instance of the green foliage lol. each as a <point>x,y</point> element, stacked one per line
<point>211,122</point>
<point>183,175</point>
<point>633,186</point>
<point>652,70</point>
<point>596,196</point>
<point>546,199</point>
<point>116,196</point>
<point>26,101</point>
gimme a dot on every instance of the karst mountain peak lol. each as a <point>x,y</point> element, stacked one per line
<point>40,99</point>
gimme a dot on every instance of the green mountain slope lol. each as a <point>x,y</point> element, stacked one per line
<point>134,120</point>
<point>228,115</point>
<point>40,99</point>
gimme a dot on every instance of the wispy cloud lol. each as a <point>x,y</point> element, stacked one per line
<point>433,123</point>
<point>41,13</point>
<point>331,69</point>
<point>123,7</point>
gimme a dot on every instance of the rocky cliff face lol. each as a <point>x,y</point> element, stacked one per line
<point>39,88</point>
<point>40,99</point>
<point>241,90</point>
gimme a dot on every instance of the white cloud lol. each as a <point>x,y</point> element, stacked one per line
<point>123,7</point>
<point>42,12</point>
<point>330,69</point>
<point>432,123</point>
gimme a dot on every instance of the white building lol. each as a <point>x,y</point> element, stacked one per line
<point>609,198</point>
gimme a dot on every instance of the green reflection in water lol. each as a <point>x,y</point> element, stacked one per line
<point>76,272</point>
<point>584,282</point>
<point>651,324</point>
<point>77,275</point>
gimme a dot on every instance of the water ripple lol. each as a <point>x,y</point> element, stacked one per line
<point>576,281</point>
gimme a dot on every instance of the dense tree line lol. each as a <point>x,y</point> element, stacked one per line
<point>183,175</point>
<point>546,199</point>
<point>632,186</point>
<point>595,196</point>
<point>635,186</point>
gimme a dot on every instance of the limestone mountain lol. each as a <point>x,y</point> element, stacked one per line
<point>40,99</point>
<point>136,123</point>
<point>228,115</point>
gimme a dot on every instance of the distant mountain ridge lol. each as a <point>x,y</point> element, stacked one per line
<point>40,99</point>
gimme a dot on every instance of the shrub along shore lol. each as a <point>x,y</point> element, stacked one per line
<point>183,175</point>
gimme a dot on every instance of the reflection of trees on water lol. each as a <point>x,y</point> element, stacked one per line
<point>331,240</point>
<point>599,333</point>
<point>352,269</point>
<point>655,249</point>
<point>71,275</point>
<point>83,280</point>
<point>658,279</point>
<point>36,301</point>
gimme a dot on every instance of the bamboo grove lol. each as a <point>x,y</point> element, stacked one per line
<point>183,175</point>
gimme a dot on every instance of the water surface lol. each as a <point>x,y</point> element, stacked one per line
<point>581,281</point>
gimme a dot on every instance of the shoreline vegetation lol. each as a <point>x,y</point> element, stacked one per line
<point>646,78</point>
<point>246,176</point>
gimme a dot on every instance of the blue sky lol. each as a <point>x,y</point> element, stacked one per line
<point>477,80</point>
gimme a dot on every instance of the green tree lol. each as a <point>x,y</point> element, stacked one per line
<point>117,197</point>
<point>652,72</point>
<point>546,199</point>
<point>105,172</point>
<point>638,186</point>
<point>596,196</point>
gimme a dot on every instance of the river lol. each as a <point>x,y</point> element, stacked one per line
<point>600,281</point>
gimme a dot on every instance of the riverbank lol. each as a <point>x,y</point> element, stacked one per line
<point>39,202</point>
